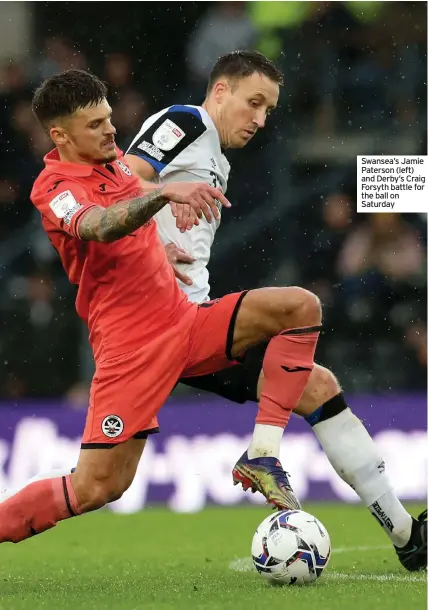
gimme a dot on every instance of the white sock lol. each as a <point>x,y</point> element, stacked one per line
<point>354,456</point>
<point>266,441</point>
<point>392,516</point>
<point>51,474</point>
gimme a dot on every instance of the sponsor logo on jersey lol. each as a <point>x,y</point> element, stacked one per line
<point>124,168</point>
<point>151,150</point>
<point>168,135</point>
<point>65,206</point>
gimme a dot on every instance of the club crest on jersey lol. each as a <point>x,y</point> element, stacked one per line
<point>112,426</point>
<point>124,168</point>
<point>168,135</point>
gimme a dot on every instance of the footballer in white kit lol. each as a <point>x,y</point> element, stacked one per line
<point>181,143</point>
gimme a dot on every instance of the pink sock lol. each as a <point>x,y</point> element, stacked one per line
<point>37,508</point>
<point>288,362</point>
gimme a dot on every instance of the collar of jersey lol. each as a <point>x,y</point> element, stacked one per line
<point>54,164</point>
<point>209,119</point>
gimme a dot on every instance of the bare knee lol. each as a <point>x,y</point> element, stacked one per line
<point>94,491</point>
<point>103,475</point>
<point>288,308</point>
<point>321,387</point>
<point>302,307</point>
<point>266,312</point>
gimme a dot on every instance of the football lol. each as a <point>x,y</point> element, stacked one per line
<point>291,547</point>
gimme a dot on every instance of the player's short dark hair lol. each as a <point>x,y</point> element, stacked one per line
<point>241,64</point>
<point>64,93</point>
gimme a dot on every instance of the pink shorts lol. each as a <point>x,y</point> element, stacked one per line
<point>127,391</point>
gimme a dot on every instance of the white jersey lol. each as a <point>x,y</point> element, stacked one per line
<point>182,144</point>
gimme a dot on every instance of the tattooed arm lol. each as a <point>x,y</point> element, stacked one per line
<point>120,219</point>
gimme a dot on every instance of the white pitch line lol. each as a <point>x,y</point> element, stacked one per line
<point>245,564</point>
<point>376,577</point>
<point>358,549</point>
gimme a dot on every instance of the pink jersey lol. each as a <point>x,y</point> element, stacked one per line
<point>127,292</point>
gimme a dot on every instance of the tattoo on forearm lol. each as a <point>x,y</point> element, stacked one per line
<point>120,219</point>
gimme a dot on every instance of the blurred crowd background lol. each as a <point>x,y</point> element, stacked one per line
<point>355,83</point>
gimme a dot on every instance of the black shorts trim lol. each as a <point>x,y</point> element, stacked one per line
<point>302,331</point>
<point>231,329</point>
<point>141,434</point>
<point>67,497</point>
<point>146,433</point>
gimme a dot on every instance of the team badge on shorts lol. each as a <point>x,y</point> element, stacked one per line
<point>124,168</point>
<point>112,426</point>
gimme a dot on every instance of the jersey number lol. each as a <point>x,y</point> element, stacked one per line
<point>216,183</point>
<point>215,179</point>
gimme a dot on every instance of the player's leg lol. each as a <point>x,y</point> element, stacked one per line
<point>238,383</point>
<point>345,441</point>
<point>63,472</point>
<point>289,319</point>
<point>126,393</point>
<point>101,475</point>
<point>49,474</point>
<point>356,459</point>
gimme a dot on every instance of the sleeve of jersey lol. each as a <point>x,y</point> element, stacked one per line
<point>168,136</point>
<point>63,203</point>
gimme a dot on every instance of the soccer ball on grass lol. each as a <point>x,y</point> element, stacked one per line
<point>291,547</point>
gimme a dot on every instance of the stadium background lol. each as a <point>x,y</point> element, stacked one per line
<point>355,83</point>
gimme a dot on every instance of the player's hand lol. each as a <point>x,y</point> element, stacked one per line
<point>200,196</point>
<point>185,216</point>
<point>176,255</point>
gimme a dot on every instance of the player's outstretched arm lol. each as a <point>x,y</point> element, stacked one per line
<point>185,215</point>
<point>120,219</point>
<point>112,223</point>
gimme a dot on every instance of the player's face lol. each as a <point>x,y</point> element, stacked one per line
<point>87,135</point>
<point>244,108</point>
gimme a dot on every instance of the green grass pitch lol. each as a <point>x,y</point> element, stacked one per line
<point>160,560</point>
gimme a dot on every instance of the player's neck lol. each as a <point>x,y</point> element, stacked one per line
<point>69,157</point>
<point>211,110</point>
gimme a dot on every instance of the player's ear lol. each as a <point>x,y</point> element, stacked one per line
<point>58,135</point>
<point>220,89</point>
